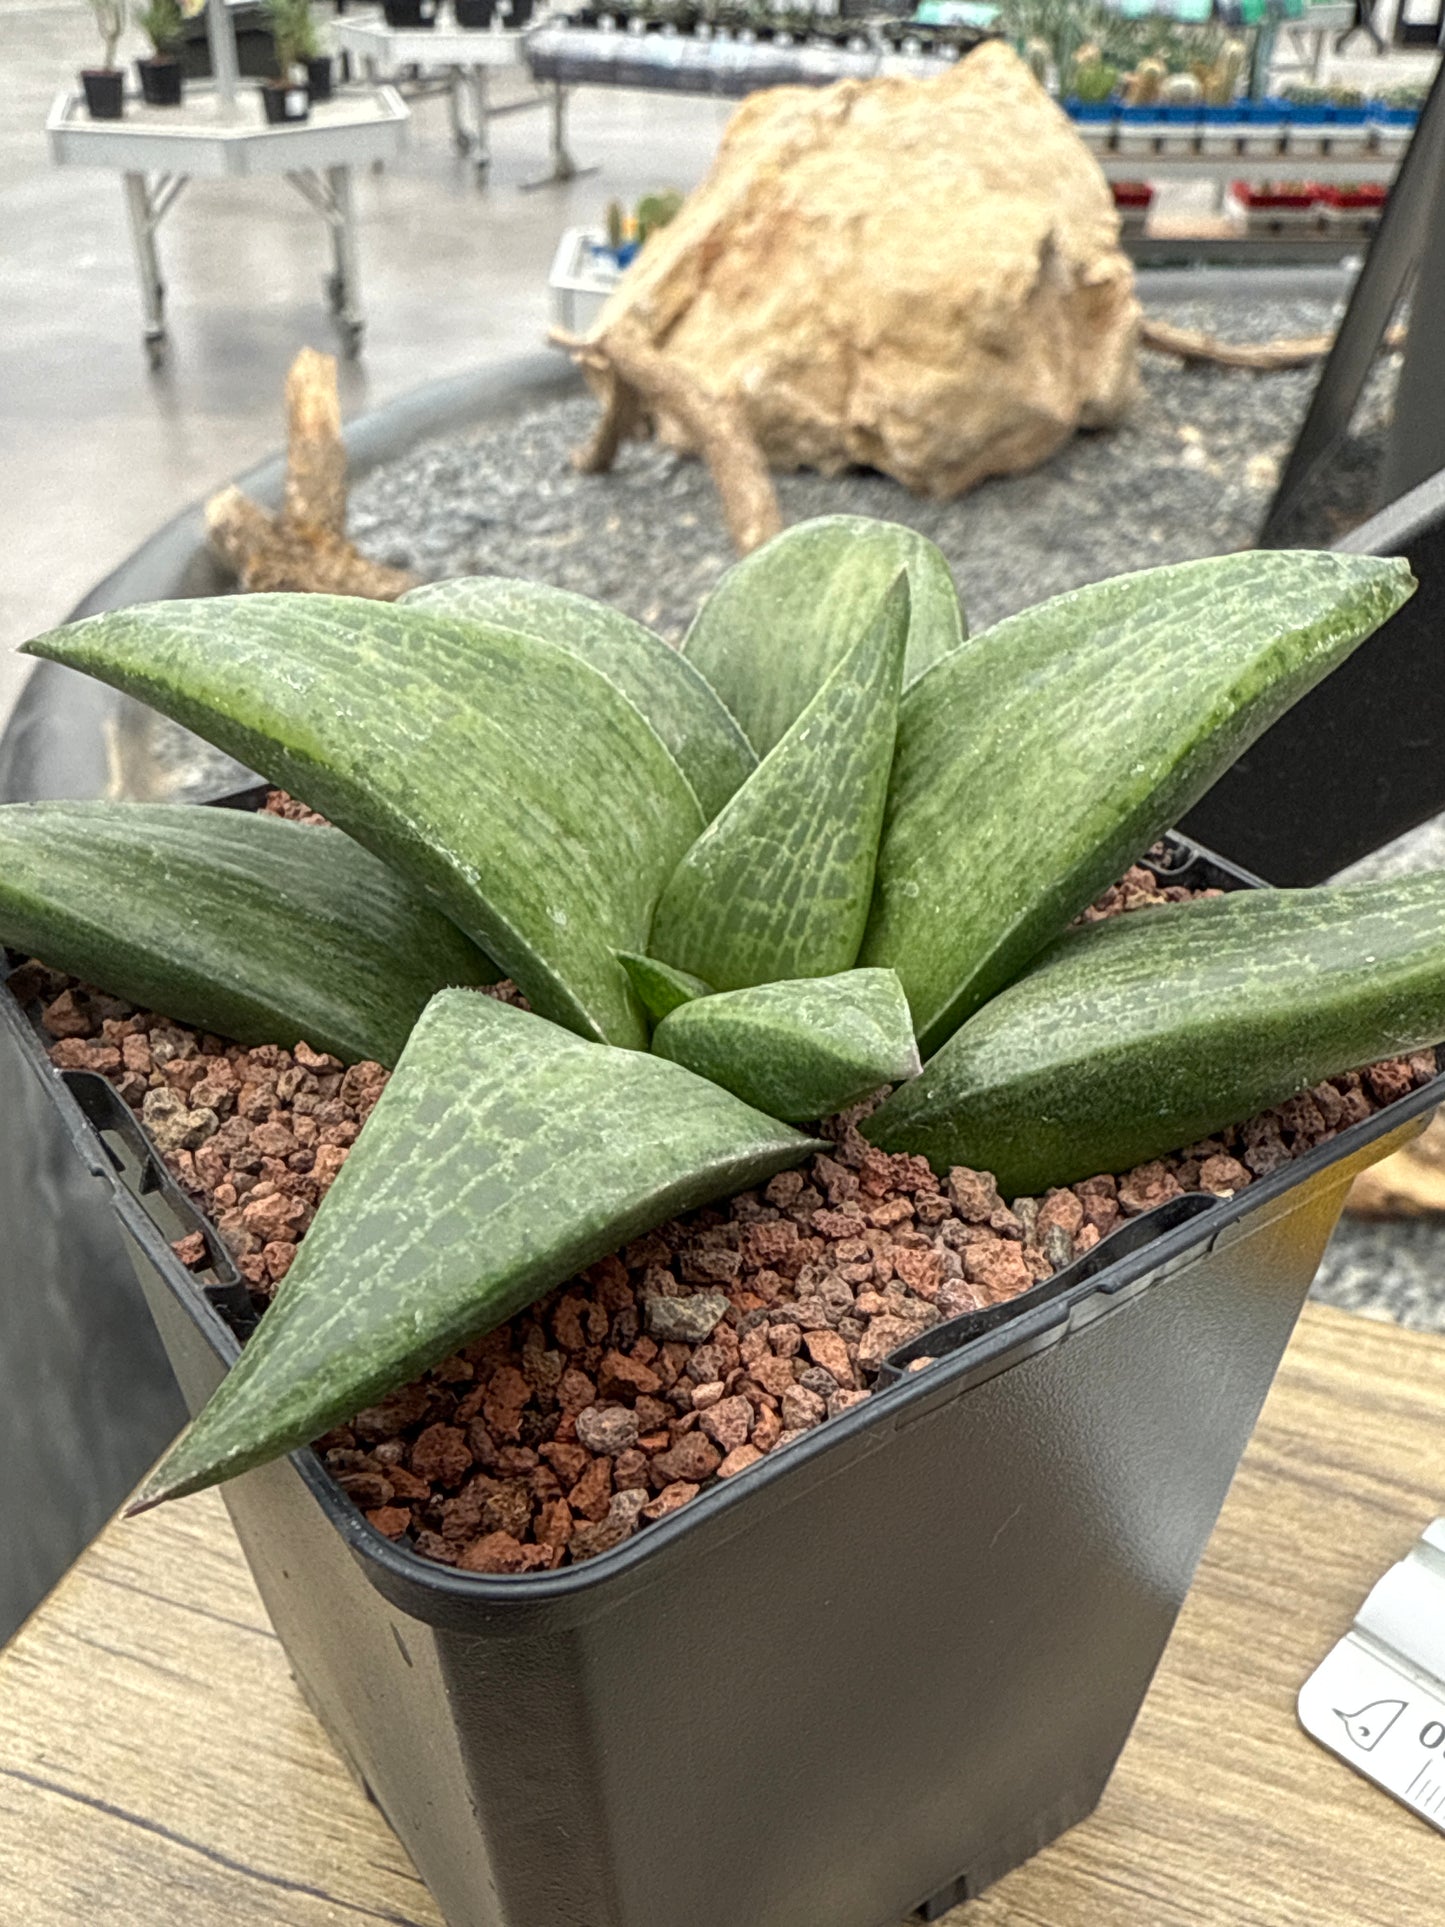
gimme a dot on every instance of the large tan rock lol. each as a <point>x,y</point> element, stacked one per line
<point>919,276</point>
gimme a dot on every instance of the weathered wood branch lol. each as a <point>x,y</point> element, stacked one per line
<point>640,383</point>
<point>1293,351</point>
<point>303,546</point>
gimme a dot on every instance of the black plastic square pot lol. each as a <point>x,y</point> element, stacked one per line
<point>872,1673</point>
<point>104,92</point>
<point>162,81</point>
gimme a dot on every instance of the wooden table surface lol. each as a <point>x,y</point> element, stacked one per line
<point>158,1766</point>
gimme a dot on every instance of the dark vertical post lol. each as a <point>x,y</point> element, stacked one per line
<point>1411,235</point>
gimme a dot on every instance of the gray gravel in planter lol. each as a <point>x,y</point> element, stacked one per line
<point>1189,473</point>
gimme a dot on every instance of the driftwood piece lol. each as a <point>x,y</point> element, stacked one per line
<point>304,545</point>
<point>639,383</point>
<point>1291,351</point>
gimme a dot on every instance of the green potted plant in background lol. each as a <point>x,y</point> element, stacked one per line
<point>293,33</point>
<point>105,85</point>
<point>286,98</point>
<point>163,22</point>
<point>731,884</point>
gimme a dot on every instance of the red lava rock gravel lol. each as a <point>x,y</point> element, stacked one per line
<point>681,1360</point>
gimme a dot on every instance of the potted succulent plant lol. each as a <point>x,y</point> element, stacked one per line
<point>105,85</point>
<point>730,884</point>
<point>287,98</point>
<point>161,77</point>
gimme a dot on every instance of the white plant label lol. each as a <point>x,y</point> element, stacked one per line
<point>1378,1699</point>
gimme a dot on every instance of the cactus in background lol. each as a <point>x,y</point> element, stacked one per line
<point>656,210</point>
<point>1181,90</point>
<point>1037,54</point>
<point>615,220</point>
<point>1095,83</point>
<point>1146,83</point>
<point>110,18</point>
<point>1222,82</point>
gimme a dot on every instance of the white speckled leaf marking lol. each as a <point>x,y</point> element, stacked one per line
<point>1035,765</point>
<point>503,1155</point>
<point>779,885</point>
<point>511,781</point>
<point>259,929</point>
<point>1132,1037</point>
<point>797,1050</point>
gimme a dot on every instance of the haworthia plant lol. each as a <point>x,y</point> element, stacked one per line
<point>586,808</point>
<point>1035,764</point>
<point>503,1155</point>
<point>780,620</point>
<point>264,930</point>
<point>1131,1037</point>
<point>797,1050</point>
<point>710,748</point>
<point>779,884</point>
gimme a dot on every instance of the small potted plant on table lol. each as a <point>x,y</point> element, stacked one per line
<point>474,13</point>
<point>410,13</point>
<point>161,78</point>
<point>105,85</point>
<point>288,97</point>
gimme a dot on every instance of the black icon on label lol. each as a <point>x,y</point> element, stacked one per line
<point>1369,1726</point>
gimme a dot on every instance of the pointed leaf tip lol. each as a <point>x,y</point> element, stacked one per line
<point>1034,765</point>
<point>504,1155</point>
<point>507,778</point>
<point>779,886</point>
<point>779,621</point>
<point>1215,1009</point>
<point>798,1050</point>
<point>145,901</point>
<point>660,987</point>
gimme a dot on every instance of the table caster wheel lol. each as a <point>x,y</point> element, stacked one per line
<point>157,346</point>
<point>351,334</point>
<point>335,293</point>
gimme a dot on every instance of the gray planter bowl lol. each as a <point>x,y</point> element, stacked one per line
<point>87,1397</point>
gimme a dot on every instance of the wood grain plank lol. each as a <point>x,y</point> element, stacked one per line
<point>157,1764</point>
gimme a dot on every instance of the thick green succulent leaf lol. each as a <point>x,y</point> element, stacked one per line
<point>779,621</point>
<point>779,885</point>
<point>708,745</point>
<point>1133,1037</point>
<point>660,987</point>
<point>503,1155</point>
<point>1033,766</point>
<point>512,782</point>
<point>261,930</point>
<point>800,1050</point>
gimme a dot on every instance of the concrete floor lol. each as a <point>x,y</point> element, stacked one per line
<point>96,451</point>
